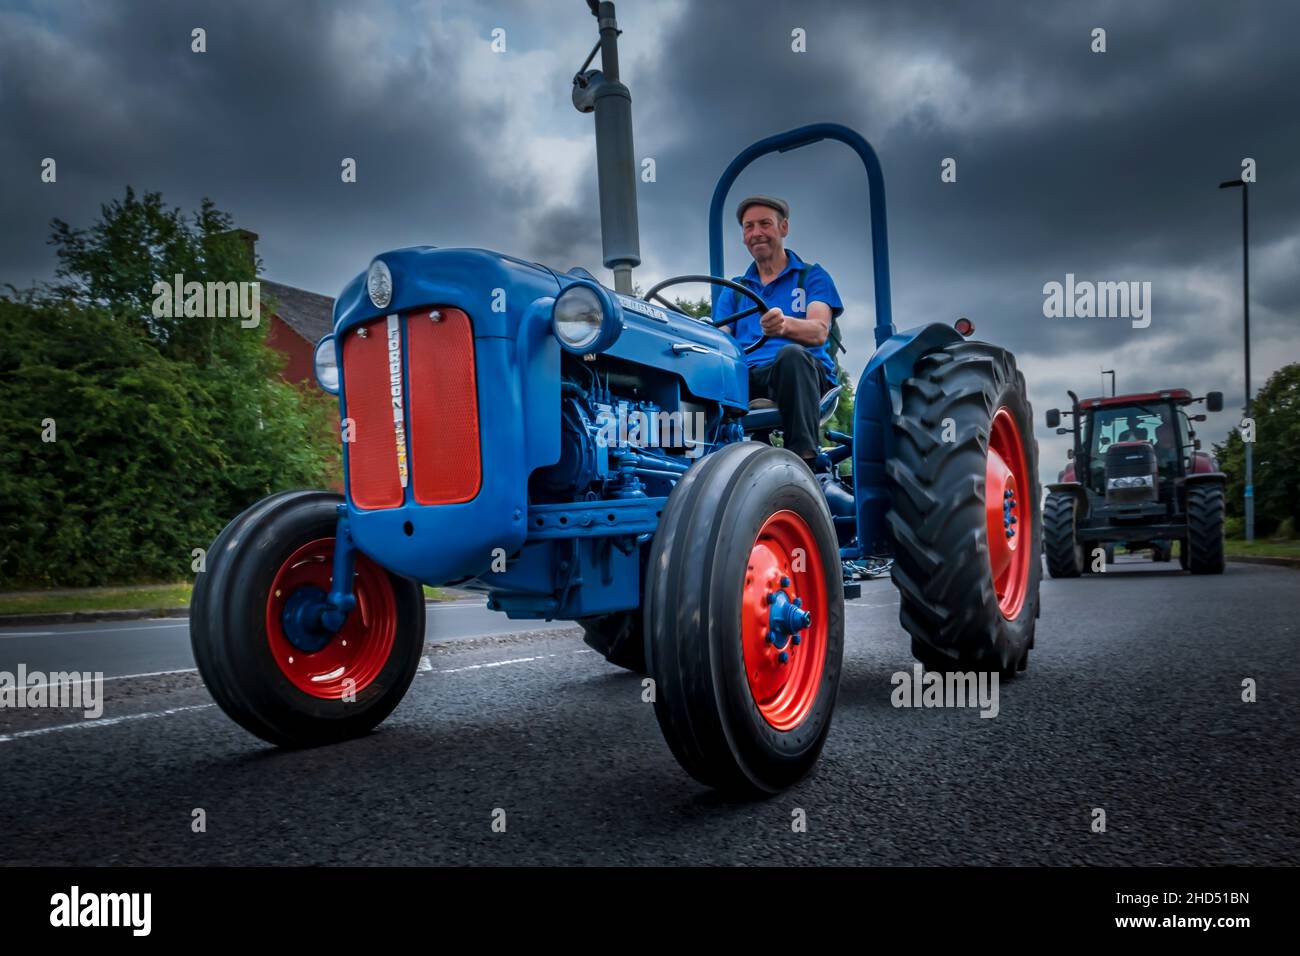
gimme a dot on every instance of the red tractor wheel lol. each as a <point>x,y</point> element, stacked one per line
<point>267,664</point>
<point>1012,521</point>
<point>744,617</point>
<point>783,681</point>
<point>350,660</point>
<point>964,510</point>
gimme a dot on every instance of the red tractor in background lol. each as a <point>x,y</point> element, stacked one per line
<point>1136,477</point>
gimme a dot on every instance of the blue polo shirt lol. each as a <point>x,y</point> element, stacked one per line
<point>818,287</point>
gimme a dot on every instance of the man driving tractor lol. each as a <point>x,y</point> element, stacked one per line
<point>1135,431</point>
<point>794,367</point>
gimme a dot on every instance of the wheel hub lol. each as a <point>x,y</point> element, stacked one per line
<point>320,661</point>
<point>301,619</point>
<point>784,642</point>
<point>785,618</point>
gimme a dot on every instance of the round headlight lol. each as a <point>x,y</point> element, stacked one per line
<point>579,315</point>
<point>327,366</point>
<point>379,282</point>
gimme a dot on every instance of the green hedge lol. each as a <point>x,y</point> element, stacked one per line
<point>153,454</point>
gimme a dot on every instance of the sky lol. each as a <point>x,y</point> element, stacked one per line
<point>1068,161</point>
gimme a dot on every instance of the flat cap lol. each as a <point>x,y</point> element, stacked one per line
<point>780,205</point>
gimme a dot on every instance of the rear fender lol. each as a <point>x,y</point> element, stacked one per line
<point>1075,489</point>
<point>878,398</point>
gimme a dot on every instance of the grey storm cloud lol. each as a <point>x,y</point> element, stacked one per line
<point>1103,165</point>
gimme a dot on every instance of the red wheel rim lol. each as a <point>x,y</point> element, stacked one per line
<point>784,549</point>
<point>354,657</point>
<point>1007,487</point>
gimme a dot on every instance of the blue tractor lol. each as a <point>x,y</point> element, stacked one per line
<point>579,453</point>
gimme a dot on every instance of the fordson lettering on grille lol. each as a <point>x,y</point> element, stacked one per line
<point>395,388</point>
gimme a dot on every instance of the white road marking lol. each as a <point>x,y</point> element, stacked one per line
<point>555,626</point>
<point>514,660</point>
<point>425,665</point>
<point>97,630</point>
<point>101,722</point>
<point>188,670</point>
<point>184,670</point>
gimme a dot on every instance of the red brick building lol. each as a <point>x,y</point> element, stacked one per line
<point>299,319</point>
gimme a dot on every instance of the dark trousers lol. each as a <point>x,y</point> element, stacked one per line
<point>796,382</point>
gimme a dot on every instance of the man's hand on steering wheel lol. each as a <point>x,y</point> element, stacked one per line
<point>773,323</point>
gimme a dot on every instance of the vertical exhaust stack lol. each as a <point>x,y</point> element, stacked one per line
<point>1074,426</point>
<point>600,91</point>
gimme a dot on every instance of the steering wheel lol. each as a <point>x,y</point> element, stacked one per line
<point>759,305</point>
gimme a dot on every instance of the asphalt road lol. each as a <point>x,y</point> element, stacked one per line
<point>1131,704</point>
<point>122,649</point>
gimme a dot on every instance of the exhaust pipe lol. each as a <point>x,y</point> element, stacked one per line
<point>600,91</point>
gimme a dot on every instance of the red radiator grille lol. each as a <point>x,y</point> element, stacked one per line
<point>374,475</point>
<point>444,408</point>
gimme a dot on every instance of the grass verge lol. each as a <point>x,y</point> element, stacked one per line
<point>1263,548</point>
<point>150,596</point>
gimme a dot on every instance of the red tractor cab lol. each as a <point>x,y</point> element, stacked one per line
<point>1136,477</point>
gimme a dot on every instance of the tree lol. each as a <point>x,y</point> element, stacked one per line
<point>842,421</point>
<point>699,308</point>
<point>114,265</point>
<point>163,430</point>
<point>1276,410</point>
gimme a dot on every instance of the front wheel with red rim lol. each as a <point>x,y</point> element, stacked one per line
<point>320,662</point>
<point>744,620</point>
<point>268,661</point>
<point>964,513</point>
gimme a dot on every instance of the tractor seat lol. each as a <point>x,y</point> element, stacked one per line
<point>764,416</point>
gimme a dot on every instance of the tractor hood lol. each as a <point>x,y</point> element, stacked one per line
<point>488,428</point>
<point>502,294</point>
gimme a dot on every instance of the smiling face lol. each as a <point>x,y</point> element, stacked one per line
<point>764,231</point>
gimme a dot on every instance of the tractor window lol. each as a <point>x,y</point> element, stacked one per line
<point>1184,435</point>
<point>1128,423</point>
<point>1107,426</point>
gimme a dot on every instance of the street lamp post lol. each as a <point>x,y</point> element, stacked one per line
<point>1245,309</point>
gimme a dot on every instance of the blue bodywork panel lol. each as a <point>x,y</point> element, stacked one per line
<point>878,398</point>
<point>518,375</point>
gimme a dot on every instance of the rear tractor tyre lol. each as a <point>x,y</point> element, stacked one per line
<point>744,619</point>
<point>619,638</point>
<point>1205,528</point>
<point>964,515</point>
<point>1065,553</point>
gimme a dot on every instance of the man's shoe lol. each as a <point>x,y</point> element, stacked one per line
<point>819,465</point>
